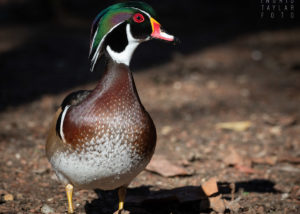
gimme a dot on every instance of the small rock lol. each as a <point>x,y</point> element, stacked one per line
<point>20,196</point>
<point>284,196</point>
<point>276,130</point>
<point>8,197</point>
<point>46,209</point>
<point>166,130</point>
<point>194,156</point>
<point>18,156</point>
<point>54,177</point>
<point>9,163</point>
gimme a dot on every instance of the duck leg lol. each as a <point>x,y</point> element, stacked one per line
<point>69,192</point>
<point>121,194</point>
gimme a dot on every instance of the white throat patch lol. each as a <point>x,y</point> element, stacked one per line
<point>125,56</point>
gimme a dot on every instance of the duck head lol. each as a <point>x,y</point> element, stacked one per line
<point>120,28</point>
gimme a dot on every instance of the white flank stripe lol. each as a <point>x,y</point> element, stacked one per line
<point>62,122</point>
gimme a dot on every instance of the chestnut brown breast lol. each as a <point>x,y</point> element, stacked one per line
<point>112,109</point>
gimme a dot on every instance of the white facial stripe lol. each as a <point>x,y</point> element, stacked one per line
<point>97,52</point>
<point>62,122</point>
<point>141,11</point>
<point>125,56</point>
<point>96,32</point>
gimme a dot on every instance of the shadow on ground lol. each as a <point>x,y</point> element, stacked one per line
<point>187,199</point>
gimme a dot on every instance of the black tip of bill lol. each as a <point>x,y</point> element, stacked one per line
<point>176,41</point>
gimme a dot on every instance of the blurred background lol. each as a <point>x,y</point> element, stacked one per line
<point>225,101</point>
<point>43,42</point>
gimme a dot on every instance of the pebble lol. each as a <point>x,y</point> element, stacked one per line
<point>18,156</point>
<point>54,177</point>
<point>166,130</point>
<point>9,163</point>
<point>195,156</point>
<point>46,209</point>
<point>20,196</point>
<point>284,196</point>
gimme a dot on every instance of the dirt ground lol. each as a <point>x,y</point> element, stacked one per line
<point>254,78</point>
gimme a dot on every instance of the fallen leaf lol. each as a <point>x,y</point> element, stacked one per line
<point>287,121</point>
<point>239,126</point>
<point>233,157</point>
<point>164,167</point>
<point>217,204</point>
<point>269,120</point>
<point>210,187</point>
<point>294,160</point>
<point>245,169</point>
<point>283,121</point>
<point>270,160</point>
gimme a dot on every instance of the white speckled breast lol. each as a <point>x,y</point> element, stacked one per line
<point>109,163</point>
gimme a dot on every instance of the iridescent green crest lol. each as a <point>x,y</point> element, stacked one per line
<point>110,18</point>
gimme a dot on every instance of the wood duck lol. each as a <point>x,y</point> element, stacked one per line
<point>104,138</point>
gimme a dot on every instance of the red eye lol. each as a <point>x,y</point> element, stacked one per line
<point>138,18</point>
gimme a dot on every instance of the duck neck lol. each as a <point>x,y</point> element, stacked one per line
<point>116,81</point>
